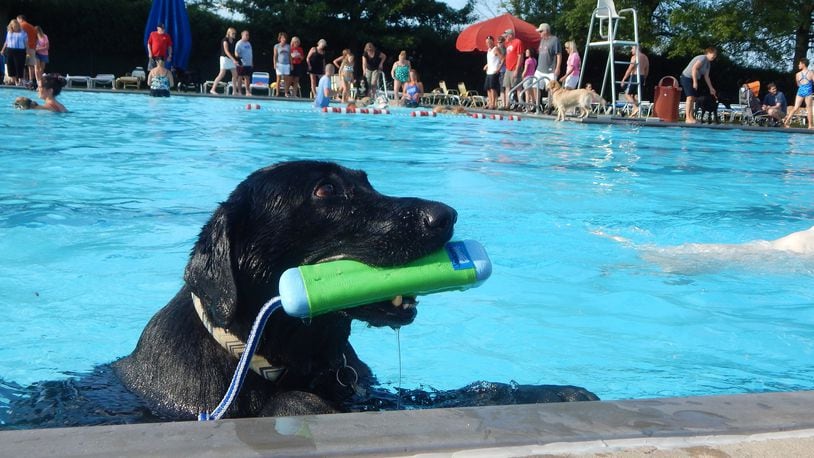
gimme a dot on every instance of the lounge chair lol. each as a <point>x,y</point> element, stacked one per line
<point>443,95</point>
<point>260,82</point>
<point>84,80</point>
<point>207,85</point>
<point>132,80</point>
<point>470,98</point>
<point>103,80</point>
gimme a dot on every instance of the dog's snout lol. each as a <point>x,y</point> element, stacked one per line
<point>439,217</point>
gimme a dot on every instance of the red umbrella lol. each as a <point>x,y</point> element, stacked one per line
<point>474,37</point>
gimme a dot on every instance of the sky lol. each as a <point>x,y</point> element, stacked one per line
<point>484,9</point>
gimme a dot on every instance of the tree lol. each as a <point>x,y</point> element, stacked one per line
<point>755,33</point>
<point>758,33</point>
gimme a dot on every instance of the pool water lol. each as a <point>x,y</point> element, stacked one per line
<point>100,208</point>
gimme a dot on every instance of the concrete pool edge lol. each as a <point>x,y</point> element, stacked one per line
<point>587,428</point>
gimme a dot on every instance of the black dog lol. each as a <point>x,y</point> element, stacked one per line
<point>279,217</point>
<point>707,104</point>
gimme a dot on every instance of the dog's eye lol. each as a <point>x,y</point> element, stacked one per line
<point>325,190</point>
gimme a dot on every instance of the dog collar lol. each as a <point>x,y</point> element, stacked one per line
<point>236,346</point>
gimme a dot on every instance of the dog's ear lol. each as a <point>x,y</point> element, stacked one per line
<point>210,272</point>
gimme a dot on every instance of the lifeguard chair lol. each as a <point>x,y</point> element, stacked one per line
<point>607,20</point>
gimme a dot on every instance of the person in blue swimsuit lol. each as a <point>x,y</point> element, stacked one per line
<point>805,92</point>
<point>413,90</point>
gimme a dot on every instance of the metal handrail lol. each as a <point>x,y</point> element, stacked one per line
<point>537,105</point>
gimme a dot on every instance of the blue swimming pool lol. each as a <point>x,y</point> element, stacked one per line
<point>100,208</point>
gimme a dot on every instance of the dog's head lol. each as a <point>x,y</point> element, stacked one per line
<point>307,212</point>
<point>553,85</point>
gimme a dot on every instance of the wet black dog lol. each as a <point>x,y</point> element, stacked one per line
<point>279,217</point>
<point>706,106</point>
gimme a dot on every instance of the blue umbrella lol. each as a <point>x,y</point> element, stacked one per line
<point>173,14</point>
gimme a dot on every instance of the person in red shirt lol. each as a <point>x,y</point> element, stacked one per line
<point>30,56</point>
<point>159,45</point>
<point>514,62</point>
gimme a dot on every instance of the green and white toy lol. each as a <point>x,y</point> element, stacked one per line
<point>312,290</point>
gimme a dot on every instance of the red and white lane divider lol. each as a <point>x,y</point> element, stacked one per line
<point>373,111</point>
<point>496,117</point>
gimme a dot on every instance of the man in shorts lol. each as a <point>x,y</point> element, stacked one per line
<point>637,57</point>
<point>30,50</point>
<point>514,63</point>
<point>244,54</point>
<point>159,44</point>
<point>549,59</point>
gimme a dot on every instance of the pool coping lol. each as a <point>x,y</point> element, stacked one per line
<point>740,423</point>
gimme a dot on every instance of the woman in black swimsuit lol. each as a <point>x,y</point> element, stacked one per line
<point>316,60</point>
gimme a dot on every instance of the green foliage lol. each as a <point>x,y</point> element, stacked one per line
<point>753,32</point>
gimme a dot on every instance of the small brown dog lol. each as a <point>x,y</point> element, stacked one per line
<point>564,99</point>
<point>24,103</point>
<point>442,109</point>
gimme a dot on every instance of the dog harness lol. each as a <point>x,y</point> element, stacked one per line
<point>236,346</point>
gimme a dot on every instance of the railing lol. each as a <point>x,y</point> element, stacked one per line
<point>535,85</point>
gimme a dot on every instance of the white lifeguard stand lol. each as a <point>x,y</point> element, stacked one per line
<point>607,19</point>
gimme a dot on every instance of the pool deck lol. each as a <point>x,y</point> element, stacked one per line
<point>759,425</point>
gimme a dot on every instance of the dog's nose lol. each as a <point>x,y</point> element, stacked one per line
<point>439,217</point>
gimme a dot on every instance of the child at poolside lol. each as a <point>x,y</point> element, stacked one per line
<point>345,65</point>
<point>52,84</point>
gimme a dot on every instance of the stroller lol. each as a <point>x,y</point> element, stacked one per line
<point>186,81</point>
<point>751,109</point>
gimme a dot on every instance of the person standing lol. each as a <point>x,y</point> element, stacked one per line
<point>41,51</point>
<point>805,89</point>
<point>297,64</point>
<point>573,66</point>
<point>400,74</point>
<point>549,59</point>
<point>373,64</point>
<point>529,67</point>
<point>282,62</point>
<point>159,44</point>
<point>514,64</point>
<point>14,50</point>
<point>316,61</point>
<point>243,52</point>
<point>494,61</point>
<point>699,66</point>
<point>635,78</point>
<point>346,66</point>
<point>30,50</point>
<point>775,103</point>
<point>228,61</point>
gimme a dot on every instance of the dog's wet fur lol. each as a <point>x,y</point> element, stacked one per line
<point>279,217</point>
<point>706,108</point>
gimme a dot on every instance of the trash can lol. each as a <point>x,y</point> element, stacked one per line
<point>666,98</point>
